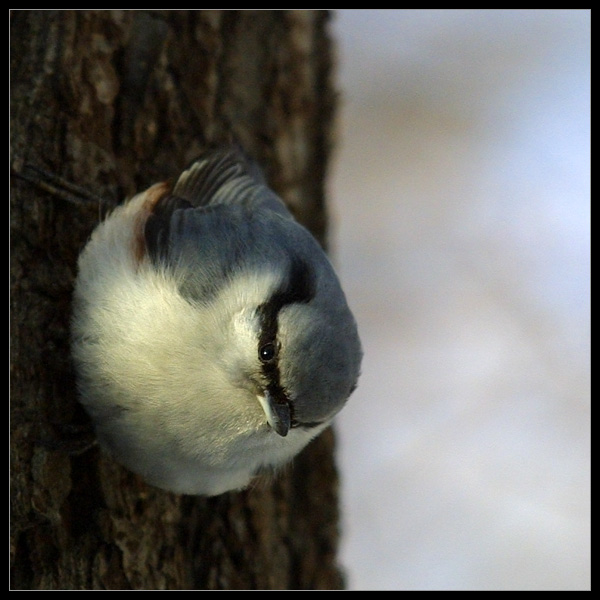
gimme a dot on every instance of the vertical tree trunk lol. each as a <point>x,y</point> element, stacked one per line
<point>115,101</point>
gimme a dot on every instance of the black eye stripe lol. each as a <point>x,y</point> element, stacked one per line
<point>299,287</point>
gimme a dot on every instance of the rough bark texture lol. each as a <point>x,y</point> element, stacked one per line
<point>115,101</point>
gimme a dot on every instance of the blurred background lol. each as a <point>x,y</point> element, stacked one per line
<point>461,229</point>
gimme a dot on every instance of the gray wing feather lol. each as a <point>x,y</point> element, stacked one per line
<point>218,178</point>
<point>226,176</point>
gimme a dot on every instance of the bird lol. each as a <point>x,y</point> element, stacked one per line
<point>211,337</point>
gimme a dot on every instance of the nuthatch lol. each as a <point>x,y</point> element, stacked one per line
<point>210,334</point>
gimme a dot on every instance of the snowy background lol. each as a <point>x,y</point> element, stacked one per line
<point>461,229</point>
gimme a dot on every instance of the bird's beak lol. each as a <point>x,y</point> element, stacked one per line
<point>278,414</point>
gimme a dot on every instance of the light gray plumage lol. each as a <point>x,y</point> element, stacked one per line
<point>210,333</point>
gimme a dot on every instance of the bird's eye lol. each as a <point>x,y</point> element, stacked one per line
<point>267,352</point>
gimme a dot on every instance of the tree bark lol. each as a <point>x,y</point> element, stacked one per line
<point>115,101</point>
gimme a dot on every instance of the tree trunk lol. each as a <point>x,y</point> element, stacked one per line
<point>115,101</point>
